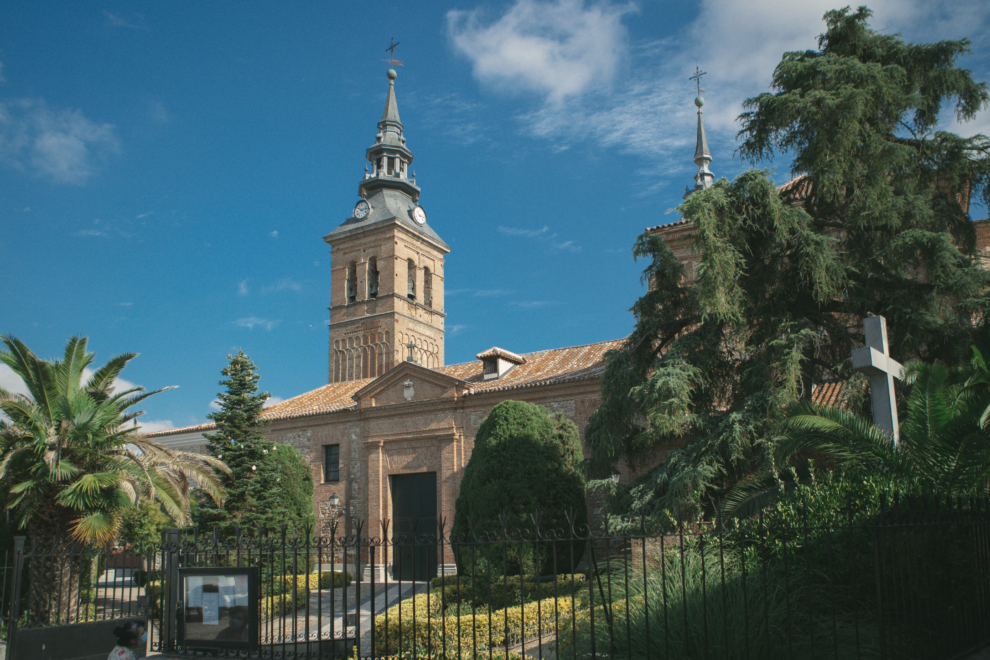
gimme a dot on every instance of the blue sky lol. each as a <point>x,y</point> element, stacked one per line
<point>168,170</point>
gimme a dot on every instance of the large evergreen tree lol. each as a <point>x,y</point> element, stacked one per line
<point>879,224</point>
<point>269,484</point>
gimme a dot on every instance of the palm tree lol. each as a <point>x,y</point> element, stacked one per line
<point>72,460</point>
<point>944,441</point>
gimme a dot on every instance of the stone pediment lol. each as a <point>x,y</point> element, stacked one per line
<point>408,382</point>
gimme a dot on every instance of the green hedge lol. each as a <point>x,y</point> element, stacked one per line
<point>502,592</point>
<point>452,636</point>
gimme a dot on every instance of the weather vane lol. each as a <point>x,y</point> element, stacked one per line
<point>391,54</point>
<point>697,78</point>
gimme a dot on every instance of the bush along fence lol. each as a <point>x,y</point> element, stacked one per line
<point>911,582</point>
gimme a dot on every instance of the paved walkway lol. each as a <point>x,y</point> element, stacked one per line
<point>327,614</point>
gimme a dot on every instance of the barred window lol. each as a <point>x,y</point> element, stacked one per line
<point>331,463</point>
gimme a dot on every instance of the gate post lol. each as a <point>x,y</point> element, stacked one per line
<point>15,596</point>
<point>170,588</point>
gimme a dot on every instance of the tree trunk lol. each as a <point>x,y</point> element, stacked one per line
<point>54,569</point>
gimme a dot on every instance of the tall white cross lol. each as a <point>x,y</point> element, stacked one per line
<point>875,362</point>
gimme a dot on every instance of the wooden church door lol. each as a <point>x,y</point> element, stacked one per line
<point>414,526</point>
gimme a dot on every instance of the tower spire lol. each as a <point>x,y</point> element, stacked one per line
<point>702,156</point>
<point>391,126</point>
<point>389,157</point>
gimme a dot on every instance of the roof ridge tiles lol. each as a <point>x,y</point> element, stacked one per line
<point>544,367</point>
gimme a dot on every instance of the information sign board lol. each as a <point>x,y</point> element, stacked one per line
<point>218,608</point>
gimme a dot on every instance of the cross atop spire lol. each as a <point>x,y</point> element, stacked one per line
<point>391,53</point>
<point>698,73</point>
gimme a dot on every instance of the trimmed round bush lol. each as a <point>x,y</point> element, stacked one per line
<point>526,461</point>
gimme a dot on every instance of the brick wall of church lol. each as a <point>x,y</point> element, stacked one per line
<point>435,435</point>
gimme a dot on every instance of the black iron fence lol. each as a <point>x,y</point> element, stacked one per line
<point>912,582</point>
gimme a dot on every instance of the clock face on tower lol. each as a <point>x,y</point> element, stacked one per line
<point>419,215</point>
<point>361,210</point>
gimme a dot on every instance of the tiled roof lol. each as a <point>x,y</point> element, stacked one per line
<point>199,428</point>
<point>495,351</point>
<point>798,188</point>
<point>557,365</point>
<point>670,225</point>
<point>551,367</point>
<point>829,393</point>
<point>326,399</point>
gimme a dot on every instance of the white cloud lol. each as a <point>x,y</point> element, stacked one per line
<point>566,246</point>
<point>157,112</point>
<point>543,235</point>
<point>11,381</point>
<point>454,116</point>
<point>2,79</point>
<point>133,21</point>
<point>455,329</point>
<point>251,321</point>
<point>490,293</point>
<point>153,425</point>
<point>531,304</point>
<point>284,284</point>
<point>478,293</point>
<point>273,234</point>
<point>558,49</point>
<point>242,288</point>
<point>215,404</point>
<point>123,304</point>
<point>528,233</point>
<point>63,145</point>
<point>272,400</point>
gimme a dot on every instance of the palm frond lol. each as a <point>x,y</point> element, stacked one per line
<point>839,433</point>
<point>103,378</point>
<point>96,528</point>
<point>752,494</point>
<point>69,371</point>
<point>37,375</point>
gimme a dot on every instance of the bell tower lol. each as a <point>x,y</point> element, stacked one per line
<point>386,283</point>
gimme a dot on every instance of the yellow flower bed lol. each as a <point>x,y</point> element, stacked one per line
<point>431,629</point>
